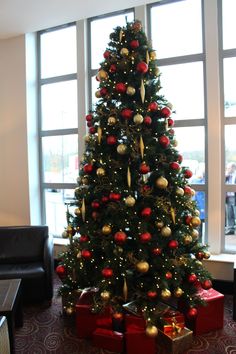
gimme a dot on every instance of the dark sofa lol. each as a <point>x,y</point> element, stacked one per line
<point>26,252</point>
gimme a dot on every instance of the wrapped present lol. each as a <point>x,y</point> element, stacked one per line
<point>134,320</point>
<point>87,321</point>
<point>173,342</point>
<point>209,317</point>
<point>86,296</point>
<point>108,339</point>
<point>137,342</point>
<point>172,321</point>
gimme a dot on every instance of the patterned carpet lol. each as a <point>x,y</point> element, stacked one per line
<point>47,331</point>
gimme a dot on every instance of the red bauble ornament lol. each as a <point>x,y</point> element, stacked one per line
<point>188,173</point>
<point>146,189</point>
<point>171,122</point>
<point>92,130</point>
<point>146,212</point>
<point>187,190</point>
<point>147,120</point>
<point>86,254</point>
<point>120,237</point>
<point>199,255</point>
<point>111,140</point>
<point>168,275</point>
<point>95,204</point>
<point>95,215</point>
<point>191,313</point>
<point>173,244</point>
<point>107,272</point>
<point>144,168</point>
<point>89,117</point>
<point>151,294</point>
<point>88,168</point>
<point>142,67</point>
<point>113,68</point>
<point>180,158</point>
<point>165,112</point>
<point>192,278</point>
<point>114,196</point>
<point>153,106</point>
<point>120,87</point>
<point>106,54</point>
<point>134,44</point>
<point>188,219</point>
<point>126,113</point>
<point>89,124</point>
<point>164,141</point>
<point>175,166</point>
<point>206,284</point>
<point>103,91</point>
<point>145,237</point>
<point>156,251</point>
<point>83,238</point>
<point>60,270</point>
<point>104,199</point>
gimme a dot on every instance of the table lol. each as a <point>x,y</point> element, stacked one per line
<point>11,306</point>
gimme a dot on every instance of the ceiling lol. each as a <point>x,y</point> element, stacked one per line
<point>22,16</point>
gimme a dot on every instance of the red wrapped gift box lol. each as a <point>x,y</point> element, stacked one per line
<point>173,321</point>
<point>108,340</point>
<point>137,342</point>
<point>87,322</point>
<point>209,317</point>
<point>137,321</point>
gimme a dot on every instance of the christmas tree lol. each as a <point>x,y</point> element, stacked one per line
<point>134,232</point>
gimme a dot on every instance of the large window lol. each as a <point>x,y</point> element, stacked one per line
<point>181,61</point>
<point>58,123</point>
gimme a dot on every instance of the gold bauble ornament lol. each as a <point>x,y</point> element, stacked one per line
<point>152,55</point>
<point>179,191</point>
<point>69,310</point>
<point>130,90</point>
<point>157,71</point>
<point>198,263</point>
<point>106,229</point>
<point>165,294</point>
<point>77,212</point>
<point>197,212</point>
<point>102,75</point>
<point>178,292</point>
<point>166,231</point>
<point>187,239</point>
<point>207,255</point>
<point>195,234</point>
<point>100,172</point>
<point>111,120</point>
<point>85,181</point>
<point>174,142</point>
<point>195,221</point>
<point>87,138</point>
<point>98,94</point>
<point>121,149</point>
<point>138,119</point>
<point>130,201</point>
<point>142,267</point>
<point>159,224</point>
<point>65,234</point>
<point>118,251</point>
<point>105,295</point>
<point>193,192</point>
<point>151,331</point>
<point>124,52</point>
<point>78,255</point>
<point>161,182</point>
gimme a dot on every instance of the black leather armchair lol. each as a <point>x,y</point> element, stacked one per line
<point>26,252</point>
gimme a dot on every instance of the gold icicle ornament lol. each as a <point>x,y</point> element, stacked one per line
<point>172,211</point>
<point>125,290</point>
<point>128,177</point>
<point>141,146</point>
<point>120,35</point>
<point>147,57</point>
<point>142,91</point>
<point>83,210</point>
<point>99,135</point>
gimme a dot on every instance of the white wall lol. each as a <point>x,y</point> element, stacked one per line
<point>14,189</point>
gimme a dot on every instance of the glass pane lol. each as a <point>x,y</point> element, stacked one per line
<point>177,28</point>
<point>59,105</point>
<point>191,145</point>
<point>183,86</point>
<point>58,52</point>
<point>55,200</point>
<point>230,226</point>
<point>230,87</point>
<point>230,154</point>
<point>229,24</point>
<point>100,32</point>
<point>60,159</point>
<point>200,200</point>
